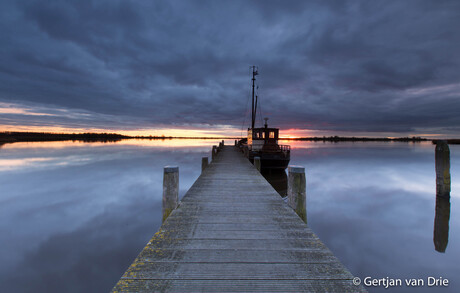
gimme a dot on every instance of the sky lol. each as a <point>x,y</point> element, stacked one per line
<point>350,68</point>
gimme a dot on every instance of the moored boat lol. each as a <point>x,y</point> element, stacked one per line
<point>263,141</point>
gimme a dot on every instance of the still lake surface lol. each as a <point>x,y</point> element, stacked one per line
<point>74,215</point>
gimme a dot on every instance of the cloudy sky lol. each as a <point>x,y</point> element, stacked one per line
<point>376,68</point>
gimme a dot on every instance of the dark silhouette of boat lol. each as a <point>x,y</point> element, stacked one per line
<point>263,142</point>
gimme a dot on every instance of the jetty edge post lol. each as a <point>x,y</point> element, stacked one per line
<point>204,163</point>
<point>223,143</point>
<point>257,163</point>
<point>235,142</point>
<point>442,161</point>
<point>214,151</point>
<point>170,190</point>
<point>296,191</point>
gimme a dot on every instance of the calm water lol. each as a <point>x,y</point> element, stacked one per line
<point>73,216</point>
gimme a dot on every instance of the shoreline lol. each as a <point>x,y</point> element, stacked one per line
<point>11,137</point>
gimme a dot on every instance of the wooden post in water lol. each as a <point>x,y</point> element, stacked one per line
<point>170,190</point>
<point>257,163</point>
<point>214,152</point>
<point>204,163</point>
<point>442,158</point>
<point>223,143</point>
<point>296,191</point>
<point>235,142</point>
<point>442,214</point>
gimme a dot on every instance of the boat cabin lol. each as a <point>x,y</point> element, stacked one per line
<point>263,138</point>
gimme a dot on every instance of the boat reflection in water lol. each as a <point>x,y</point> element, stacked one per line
<point>278,179</point>
<point>442,213</point>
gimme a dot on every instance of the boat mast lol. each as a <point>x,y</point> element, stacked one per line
<point>254,106</point>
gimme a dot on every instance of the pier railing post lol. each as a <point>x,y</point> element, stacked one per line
<point>442,159</point>
<point>204,163</point>
<point>296,191</point>
<point>257,163</point>
<point>170,190</point>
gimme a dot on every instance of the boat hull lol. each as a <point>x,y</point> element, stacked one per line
<point>271,161</point>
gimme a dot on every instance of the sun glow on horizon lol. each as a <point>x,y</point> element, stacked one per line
<point>218,132</point>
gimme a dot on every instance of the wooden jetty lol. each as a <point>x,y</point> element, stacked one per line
<point>232,232</point>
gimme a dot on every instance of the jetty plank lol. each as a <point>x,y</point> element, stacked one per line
<point>232,232</point>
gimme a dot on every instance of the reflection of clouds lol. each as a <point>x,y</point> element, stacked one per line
<point>186,144</point>
<point>379,233</point>
<point>47,206</point>
<point>10,164</point>
<point>374,207</point>
<point>77,220</point>
<point>416,181</point>
<point>92,257</point>
<point>23,156</point>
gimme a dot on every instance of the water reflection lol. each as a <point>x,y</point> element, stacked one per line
<point>74,215</point>
<point>278,179</point>
<point>76,221</point>
<point>441,223</point>
<point>442,213</point>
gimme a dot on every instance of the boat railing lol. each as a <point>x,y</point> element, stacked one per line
<point>285,147</point>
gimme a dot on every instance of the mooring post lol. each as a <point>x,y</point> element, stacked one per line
<point>235,142</point>
<point>296,191</point>
<point>223,143</point>
<point>204,163</point>
<point>170,190</point>
<point>257,163</point>
<point>214,152</point>
<point>442,159</point>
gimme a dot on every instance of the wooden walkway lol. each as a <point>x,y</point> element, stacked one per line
<point>233,233</point>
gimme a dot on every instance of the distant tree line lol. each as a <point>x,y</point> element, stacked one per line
<point>339,138</point>
<point>11,136</point>
<point>47,136</point>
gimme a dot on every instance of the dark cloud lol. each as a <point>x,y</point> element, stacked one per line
<point>327,65</point>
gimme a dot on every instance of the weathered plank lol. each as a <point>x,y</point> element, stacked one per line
<point>231,233</point>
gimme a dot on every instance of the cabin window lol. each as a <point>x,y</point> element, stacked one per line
<point>263,134</point>
<point>272,134</point>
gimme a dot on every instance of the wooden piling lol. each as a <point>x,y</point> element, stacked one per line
<point>170,190</point>
<point>296,191</point>
<point>257,163</point>
<point>442,158</point>
<point>204,163</point>
<point>214,152</point>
